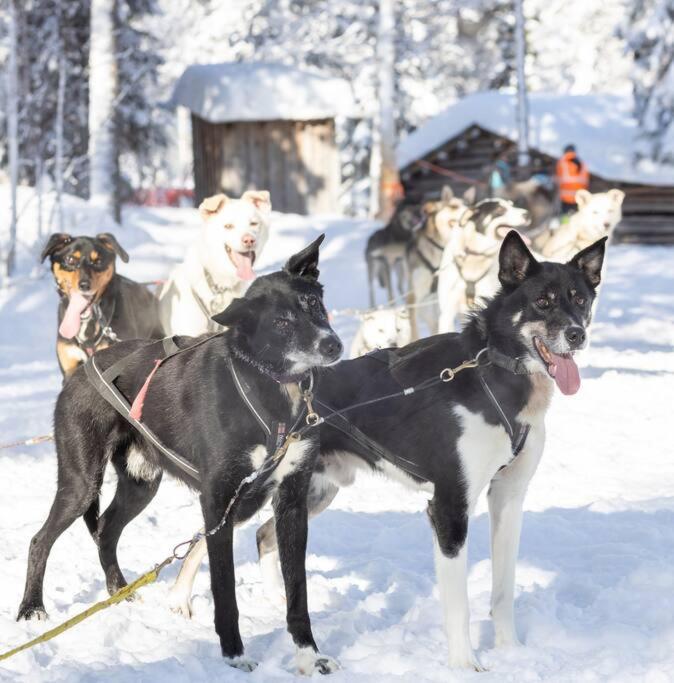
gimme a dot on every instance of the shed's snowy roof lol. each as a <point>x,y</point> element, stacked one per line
<point>601,126</point>
<point>256,91</point>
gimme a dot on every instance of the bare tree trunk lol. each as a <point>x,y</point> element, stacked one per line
<point>58,169</point>
<point>390,189</point>
<point>522,100</point>
<point>13,138</point>
<point>102,93</point>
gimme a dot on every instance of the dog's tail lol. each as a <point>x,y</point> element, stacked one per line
<point>91,517</point>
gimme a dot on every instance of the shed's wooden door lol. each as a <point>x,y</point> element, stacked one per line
<point>297,161</point>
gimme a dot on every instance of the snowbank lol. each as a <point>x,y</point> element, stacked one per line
<point>601,126</point>
<point>261,92</point>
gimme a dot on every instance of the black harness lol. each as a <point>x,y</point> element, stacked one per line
<point>277,434</point>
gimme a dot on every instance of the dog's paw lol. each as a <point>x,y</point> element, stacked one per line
<point>510,639</point>
<point>309,662</point>
<point>32,613</point>
<point>466,661</point>
<point>242,663</point>
<point>180,604</point>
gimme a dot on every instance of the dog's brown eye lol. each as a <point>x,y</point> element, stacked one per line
<point>229,226</point>
<point>282,324</point>
<point>580,300</point>
<point>312,300</point>
<point>542,302</point>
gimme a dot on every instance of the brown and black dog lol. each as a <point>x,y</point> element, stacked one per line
<point>98,307</point>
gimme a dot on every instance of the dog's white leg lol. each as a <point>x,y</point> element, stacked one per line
<point>506,496</point>
<point>452,584</point>
<point>180,595</point>
<point>505,510</point>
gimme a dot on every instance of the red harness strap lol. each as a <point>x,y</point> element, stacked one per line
<point>136,411</point>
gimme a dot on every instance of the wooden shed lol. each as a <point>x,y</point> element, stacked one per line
<point>461,145</point>
<point>266,127</point>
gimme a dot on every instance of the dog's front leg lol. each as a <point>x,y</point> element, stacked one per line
<point>451,527</point>
<point>291,518</point>
<point>221,561</point>
<point>506,498</point>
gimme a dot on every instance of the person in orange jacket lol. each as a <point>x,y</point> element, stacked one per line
<point>572,175</point>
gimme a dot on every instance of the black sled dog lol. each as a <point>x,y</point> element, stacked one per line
<point>483,428</point>
<point>197,404</point>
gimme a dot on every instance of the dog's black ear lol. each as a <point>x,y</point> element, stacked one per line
<point>305,263</point>
<point>238,311</point>
<point>516,262</point>
<point>111,244</point>
<point>55,243</point>
<point>590,261</point>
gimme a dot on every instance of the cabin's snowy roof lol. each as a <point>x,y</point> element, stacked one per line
<point>601,126</point>
<point>256,91</point>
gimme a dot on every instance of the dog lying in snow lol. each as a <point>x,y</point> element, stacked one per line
<point>218,267</point>
<point>468,268</point>
<point>97,307</point>
<point>195,405</point>
<point>597,216</point>
<point>382,329</point>
<point>485,429</point>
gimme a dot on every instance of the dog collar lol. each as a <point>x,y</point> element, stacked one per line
<point>491,356</point>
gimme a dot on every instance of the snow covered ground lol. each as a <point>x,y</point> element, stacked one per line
<point>595,584</point>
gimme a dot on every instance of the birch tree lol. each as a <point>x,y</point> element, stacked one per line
<point>9,251</point>
<point>102,93</point>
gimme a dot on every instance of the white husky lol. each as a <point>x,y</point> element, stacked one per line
<point>467,270</point>
<point>219,266</point>
<point>597,216</point>
<point>382,329</point>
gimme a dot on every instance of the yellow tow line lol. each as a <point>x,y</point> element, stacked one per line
<point>121,594</point>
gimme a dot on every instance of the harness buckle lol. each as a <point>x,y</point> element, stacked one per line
<point>447,375</point>
<point>283,448</point>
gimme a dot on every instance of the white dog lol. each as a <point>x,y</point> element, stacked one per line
<point>382,329</point>
<point>219,266</point>
<point>467,270</point>
<point>597,216</point>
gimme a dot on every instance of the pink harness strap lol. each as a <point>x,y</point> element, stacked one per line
<point>136,411</point>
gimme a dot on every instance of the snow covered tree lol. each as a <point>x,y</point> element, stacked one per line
<point>649,32</point>
<point>102,95</point>
<point>52,31</point>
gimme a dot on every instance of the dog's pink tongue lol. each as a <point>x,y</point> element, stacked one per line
<point>70,325</point>
<point>565,372</point>
<point>244,264</point>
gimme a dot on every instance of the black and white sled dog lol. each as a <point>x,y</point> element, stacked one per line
<point>483,428</point>
<point>276,333</point>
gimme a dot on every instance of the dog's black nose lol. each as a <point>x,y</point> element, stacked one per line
<point>331,347</point>
<point>575,336</point>
<point>84,284</point>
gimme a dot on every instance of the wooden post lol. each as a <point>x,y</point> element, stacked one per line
<point>390,189</point>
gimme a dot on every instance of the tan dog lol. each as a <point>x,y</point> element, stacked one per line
<point>219,266</point>
<point>424,255</point>
<point>597,216</point>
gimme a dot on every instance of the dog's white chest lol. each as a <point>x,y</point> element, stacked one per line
<point>293,459</point>
<point>483,449</point>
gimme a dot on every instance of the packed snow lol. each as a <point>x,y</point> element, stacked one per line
<point>602,127</point>
<point>595,585</point>
<point>261,92</point>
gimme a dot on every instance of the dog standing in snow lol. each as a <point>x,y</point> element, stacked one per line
<point>424,254</point>
<point>382,329</point>
<point>218,267</point>
<point>469,265</point>
<point>597,216</point>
